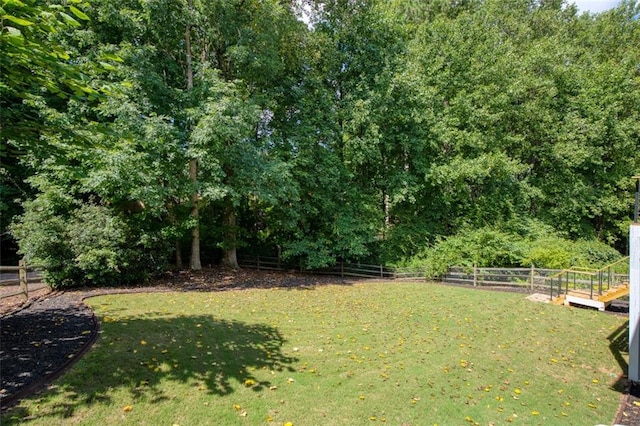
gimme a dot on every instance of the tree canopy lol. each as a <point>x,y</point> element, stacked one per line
<point>320,130</point>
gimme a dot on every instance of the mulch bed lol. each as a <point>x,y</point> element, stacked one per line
<point>41,339</point>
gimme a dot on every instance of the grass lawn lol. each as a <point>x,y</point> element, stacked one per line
<point>363,354</point>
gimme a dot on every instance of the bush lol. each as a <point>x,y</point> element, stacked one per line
<point>83,244</point>
<point>515,244</point>
<point>482,247</point>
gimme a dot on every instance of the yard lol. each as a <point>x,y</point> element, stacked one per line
<point>363,353</point>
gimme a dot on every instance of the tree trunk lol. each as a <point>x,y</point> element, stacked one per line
<point>194,262</point>
<point>230,257</point>
<point>178,244</point>
<point>178,254</point>
<point>387,209</point>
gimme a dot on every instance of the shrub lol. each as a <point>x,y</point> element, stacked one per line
<point>482,247</point>
<point>84,244</point>
<point>515,244</point>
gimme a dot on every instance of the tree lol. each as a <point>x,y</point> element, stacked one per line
<point>37,72</point>
<point>197,62</point>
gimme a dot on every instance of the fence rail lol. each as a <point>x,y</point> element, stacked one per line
<point>596,281</point>
<point>342,269</point>
<point>531,279</point>
<point>22,275</point>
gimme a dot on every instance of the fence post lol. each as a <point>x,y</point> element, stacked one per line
<point>475,276</point>
<point>532,275</point>
<point>381,271</point>
<point>23,278</point>
<point>342,269</point>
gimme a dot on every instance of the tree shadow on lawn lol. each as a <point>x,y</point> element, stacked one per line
<point>619,346</point>
<point>140,354</point>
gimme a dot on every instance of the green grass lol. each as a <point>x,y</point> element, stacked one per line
<point>371,353</point>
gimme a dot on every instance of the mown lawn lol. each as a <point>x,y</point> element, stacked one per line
<point>368,353</point>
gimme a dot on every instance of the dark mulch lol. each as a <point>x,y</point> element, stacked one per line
<point>629,411</point>
<point>41,339</point>
<point>38,341</point>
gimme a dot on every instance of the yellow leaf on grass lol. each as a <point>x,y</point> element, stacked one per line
<point>127,408</point>
<point>288,424</point>
<point>249,383</point>
<point>143,342</point>
<point>236,407</point>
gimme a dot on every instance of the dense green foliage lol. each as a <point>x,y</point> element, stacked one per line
<point>395,131</point>
<point>512,245</point>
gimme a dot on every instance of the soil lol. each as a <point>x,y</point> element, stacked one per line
<point>42,338</point>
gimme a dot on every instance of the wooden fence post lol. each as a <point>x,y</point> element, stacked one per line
<point>475,276</point>
<point>23,278</point>
<point>532,274</point>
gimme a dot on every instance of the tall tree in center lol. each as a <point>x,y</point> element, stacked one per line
<point>210,69</point>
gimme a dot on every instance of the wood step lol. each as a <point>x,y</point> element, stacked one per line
<point>614,293</point>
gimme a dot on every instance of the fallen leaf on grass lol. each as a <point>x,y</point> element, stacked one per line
<point>127,408</point>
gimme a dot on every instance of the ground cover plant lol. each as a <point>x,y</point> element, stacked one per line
<point>367,353</point>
